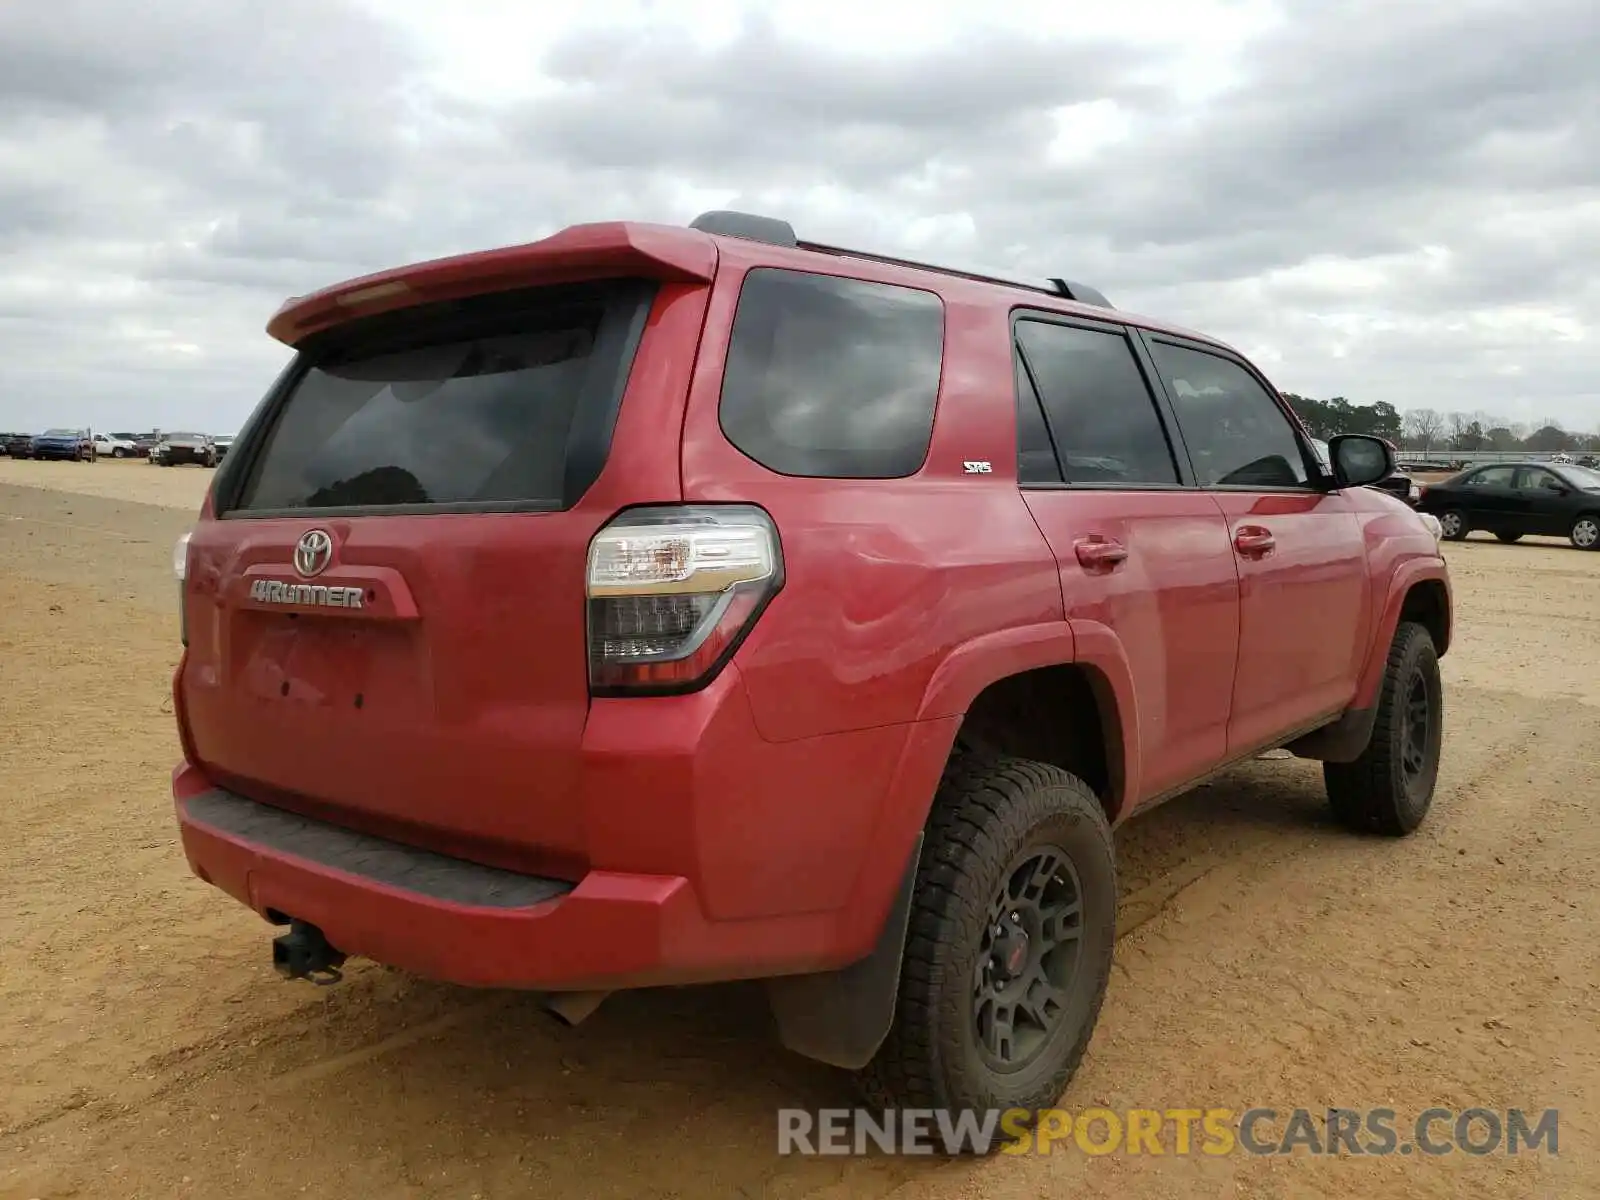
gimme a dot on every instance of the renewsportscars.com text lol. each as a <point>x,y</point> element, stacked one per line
<point>1261,1131</point>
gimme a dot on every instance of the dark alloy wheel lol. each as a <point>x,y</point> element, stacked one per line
<point>1389,789</point>
<point>1027,959</point>
<point>1416,724</point>
<point>1009,950</point>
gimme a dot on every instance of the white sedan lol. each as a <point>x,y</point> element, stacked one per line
<point>107,446</point>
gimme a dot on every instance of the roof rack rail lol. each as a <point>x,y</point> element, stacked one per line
<point>781,233</point>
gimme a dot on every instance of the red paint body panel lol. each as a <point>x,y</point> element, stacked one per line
<point>1172,607</point>
<point>885,579</point>
<point>1399,558</point>
<point>482,699</point>
<point>1305,612</point>
<point>761,825</point>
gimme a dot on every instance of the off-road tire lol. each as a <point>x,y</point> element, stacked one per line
<point>990,811</point>
<point>1453,525</point>
<point>1509,537</point>
<point>1375,793</point>
<point>1585,532</point>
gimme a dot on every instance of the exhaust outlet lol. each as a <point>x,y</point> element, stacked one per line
<point>572,1007</point>
<point>304,953</point>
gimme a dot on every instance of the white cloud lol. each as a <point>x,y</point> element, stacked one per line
<point>1385,201</point>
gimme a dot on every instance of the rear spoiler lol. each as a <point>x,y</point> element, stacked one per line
<point>578,253</point>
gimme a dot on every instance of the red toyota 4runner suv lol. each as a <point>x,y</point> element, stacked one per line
<point>652,605</point>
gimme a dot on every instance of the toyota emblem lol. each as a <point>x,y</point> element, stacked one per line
<point>313,553</point>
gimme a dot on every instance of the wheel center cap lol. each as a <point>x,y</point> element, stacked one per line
<point>1011,952</point>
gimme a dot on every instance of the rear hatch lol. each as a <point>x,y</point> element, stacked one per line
<point>385,607</point>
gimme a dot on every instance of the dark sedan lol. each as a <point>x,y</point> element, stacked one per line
<point>73,445</point>
<point>16,445</point>
<point>1511,500</point>
<point>175,448</point>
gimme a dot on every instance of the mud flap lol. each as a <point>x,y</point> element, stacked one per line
<point>1342,741</point>
<point>841,1017</point>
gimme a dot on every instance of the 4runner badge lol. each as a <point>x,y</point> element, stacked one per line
<point>282,591</point>
<point>978,467</point>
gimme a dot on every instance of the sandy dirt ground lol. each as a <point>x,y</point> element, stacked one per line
<point>1265,957</point>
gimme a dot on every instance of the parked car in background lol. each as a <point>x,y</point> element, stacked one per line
<point>16,445</point>
<point>222,444</point>
<point>1515,499</point>
<point>71,445</point>
<point>109,445</point>
<point>141,442</point>
<point>176,448</point>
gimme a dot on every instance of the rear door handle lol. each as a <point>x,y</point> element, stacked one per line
<point>1253,541</point>
<point>1099,553</point>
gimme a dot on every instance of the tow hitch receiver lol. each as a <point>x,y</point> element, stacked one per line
<point>303,953</point>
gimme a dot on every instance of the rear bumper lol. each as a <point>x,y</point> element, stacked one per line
<point>437,917</point>
<point>727,877</point>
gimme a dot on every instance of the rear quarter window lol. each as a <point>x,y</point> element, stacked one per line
<point>832,377</point>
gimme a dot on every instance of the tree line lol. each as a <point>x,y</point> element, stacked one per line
<point>1429,429</point>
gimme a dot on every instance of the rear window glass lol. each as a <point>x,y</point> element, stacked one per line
<point>832,377</point>
<point>481,417</point>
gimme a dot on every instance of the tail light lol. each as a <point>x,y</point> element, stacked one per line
<point>672,591</point>
<point>180,568</point>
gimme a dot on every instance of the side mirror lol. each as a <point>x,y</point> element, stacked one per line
<point>1359,459</point>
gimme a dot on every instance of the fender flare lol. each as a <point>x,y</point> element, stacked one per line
<point>841,1016</point>
<point>1405,577</point>
<point>976,664</point>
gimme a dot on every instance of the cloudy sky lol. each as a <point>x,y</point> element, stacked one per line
<point>1382,199</point>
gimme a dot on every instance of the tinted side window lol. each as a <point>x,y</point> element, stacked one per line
<point>832,377</point>
<point>1036,457</point>
<point>1101,415</point>
<point>1491,477</point>
<point>1236,433</point>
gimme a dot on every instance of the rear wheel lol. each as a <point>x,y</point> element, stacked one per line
<point>1389,789</point>
<point>1009,948</point>
<point>1585,533</point>
<point>1509,537</point>
<point>1453,524</point>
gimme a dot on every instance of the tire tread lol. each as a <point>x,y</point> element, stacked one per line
<point>982,797</point>
<point>1362,793</point>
